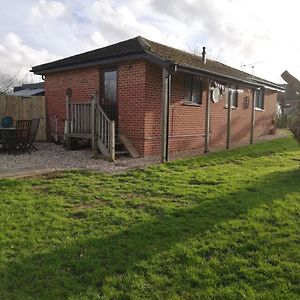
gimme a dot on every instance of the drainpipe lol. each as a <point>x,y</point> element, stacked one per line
<point>229,104</point>
<point>252,117</point>
<point>167,76</point>
<point>207,118</point>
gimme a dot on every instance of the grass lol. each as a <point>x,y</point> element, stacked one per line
<point>223,226</point>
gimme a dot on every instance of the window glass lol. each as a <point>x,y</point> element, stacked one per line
<point>233,96</point>
<point>110,86</point>
<point>196,91</point>
<point>187,88</point>
<point>259,99</point>
<point>193,90</point>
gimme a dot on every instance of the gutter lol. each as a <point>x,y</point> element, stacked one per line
<point>212,75</point>
<point>274,89</point>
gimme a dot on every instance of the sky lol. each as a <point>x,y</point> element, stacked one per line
<point>239,33</point>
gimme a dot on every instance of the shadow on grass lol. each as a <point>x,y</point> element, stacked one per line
<point>87,263</point>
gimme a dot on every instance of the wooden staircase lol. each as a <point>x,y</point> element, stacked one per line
<point>88,120</point>
<point>104,134</point>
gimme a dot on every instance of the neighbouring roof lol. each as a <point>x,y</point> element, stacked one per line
<point>156,51</point>
<point>29,89</point>
<point>30,86</point>
<point>29,92</point>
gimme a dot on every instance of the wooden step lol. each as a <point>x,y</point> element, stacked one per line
<point>121,152</point>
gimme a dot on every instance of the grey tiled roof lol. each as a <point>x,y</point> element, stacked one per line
<point>128,47</point>
<point>140,45</point>
<point>195,61</point>
<point>28,92</point>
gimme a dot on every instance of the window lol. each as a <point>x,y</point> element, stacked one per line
<point>259,99</point>
<point>233,97</point>
<point>193,90</point>
<point>110,86</point>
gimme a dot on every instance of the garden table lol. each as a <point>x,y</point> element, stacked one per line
<point>7,137</point>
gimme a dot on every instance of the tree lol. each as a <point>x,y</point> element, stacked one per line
<point>8,82</point>
<point>294,123</point>
<point>294,118</point>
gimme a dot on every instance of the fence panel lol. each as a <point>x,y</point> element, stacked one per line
<point>20,108</point>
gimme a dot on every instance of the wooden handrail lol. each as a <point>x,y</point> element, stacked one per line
<point>89,118</point>
<point>103,112</point>
<point>103,131</point>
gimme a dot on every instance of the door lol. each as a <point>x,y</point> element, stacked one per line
<point>109,94</point>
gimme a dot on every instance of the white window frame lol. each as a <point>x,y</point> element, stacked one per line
<point>233,93</point>
<point>259,99</point>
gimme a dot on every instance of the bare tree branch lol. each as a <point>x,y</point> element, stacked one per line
<point>7,82</point>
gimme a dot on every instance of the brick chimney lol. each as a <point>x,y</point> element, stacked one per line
<point>204,55</point>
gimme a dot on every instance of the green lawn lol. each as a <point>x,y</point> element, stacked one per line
<point>223,226</point>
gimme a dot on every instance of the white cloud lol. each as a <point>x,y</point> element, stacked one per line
<point>234,31</point>
<point>18,58</point>
<point>98,40</point>
<point>118,21</point>
<point>46,9</point>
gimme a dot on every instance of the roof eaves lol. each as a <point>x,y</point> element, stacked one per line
<point>88,62</point>
<point>106,61</point>
<point>273,85</point>
<point>212,75</point>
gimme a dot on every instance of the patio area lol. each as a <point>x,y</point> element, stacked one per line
<point>51,157</point>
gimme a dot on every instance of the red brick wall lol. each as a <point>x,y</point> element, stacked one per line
<point>140,109</point>
<point>263,119</point>
<point>153,113</point>
<point>187,123</point>
<point>186,127</point>
<point>241,118</point>
<point>83,82</point>
<point>218,124</point>
<point>132,102</point>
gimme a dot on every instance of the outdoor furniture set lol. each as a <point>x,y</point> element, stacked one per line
<point>19,138</point>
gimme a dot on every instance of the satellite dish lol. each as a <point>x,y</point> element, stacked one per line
<point>215,95</point>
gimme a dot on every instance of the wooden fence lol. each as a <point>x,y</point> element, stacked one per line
<point>21,108</point>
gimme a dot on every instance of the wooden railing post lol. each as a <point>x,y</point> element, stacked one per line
<point>229,104</point>
<point>207,118</point>
<point>112,140</point>
<point>252,117</point>
<point>68,127</point>
<point>93,111</point>
<point>67,114</point>
<point>165,116</point>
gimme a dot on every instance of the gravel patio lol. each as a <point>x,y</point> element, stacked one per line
<point>51,157</point>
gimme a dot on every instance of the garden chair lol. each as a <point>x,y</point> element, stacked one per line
<point>32,134</point>
<point>20,138</point>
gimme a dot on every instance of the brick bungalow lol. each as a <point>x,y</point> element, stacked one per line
<point>163,99</point>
